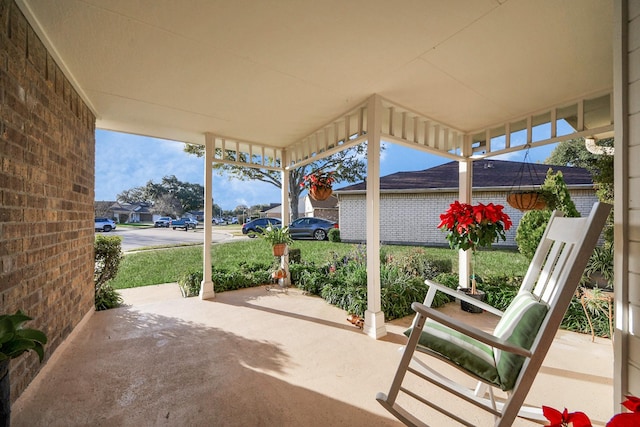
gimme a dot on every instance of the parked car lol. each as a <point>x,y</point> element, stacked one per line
<point>310,227</point>
<point>104,224</point>
<point>185,223</point>
<point>163,221</point>
<point>255,226</point>
<point>234,220</point>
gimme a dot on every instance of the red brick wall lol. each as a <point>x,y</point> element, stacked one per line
<point>47,155</point>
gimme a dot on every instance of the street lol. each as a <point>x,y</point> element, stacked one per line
<point>135,238</point>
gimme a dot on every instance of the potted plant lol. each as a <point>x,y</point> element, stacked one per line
<point>15,340</point>
<point>473,227</point>
<point>279,238</point>
<point>599,269</point>
<point>319,184</point>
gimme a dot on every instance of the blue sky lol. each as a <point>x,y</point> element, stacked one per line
<point>124,161</point>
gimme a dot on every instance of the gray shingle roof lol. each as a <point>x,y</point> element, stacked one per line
<point>486,174</point>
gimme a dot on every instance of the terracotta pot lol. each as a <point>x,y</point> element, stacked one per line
<point>279,248</point>
<point>320,193</point>
<point>526,200</point>
<point>279,274</point>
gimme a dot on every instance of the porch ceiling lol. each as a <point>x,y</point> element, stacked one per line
<point>273,72</point>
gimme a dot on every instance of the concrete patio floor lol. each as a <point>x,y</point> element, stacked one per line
<point>258,358</point>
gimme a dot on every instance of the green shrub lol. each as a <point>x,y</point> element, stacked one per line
<point>295,255</point>
<point>418,263</point>
<point>261,277</point>
<point>228,280</point>
<point>397,297</point>
<point>500,290</point>
<point>107,257</point>
<point>533,223</point>
<point>334,235</point>
<point>107,298</point>
<point>530,230</point>
<point>449,280</point>
<point>310,281</point>
<point>189,283</point>
<point>351,298</point>
<point>255,266</point>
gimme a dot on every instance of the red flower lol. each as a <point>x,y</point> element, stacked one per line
<point>317,179</point>
<point>561,419</point>
<point>632,403</point>
<point>627,419</point>
<point>472,226</point>
<point>579,419</point>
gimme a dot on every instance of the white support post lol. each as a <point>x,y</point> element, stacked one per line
<point>465,180</point>
<point>285,212</point>
<point>285,217</point>
<point>206,287</point>
<point>374,317</point>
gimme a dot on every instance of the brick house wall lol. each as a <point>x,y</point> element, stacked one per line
<point>412,218</point>
<point>47,155</point>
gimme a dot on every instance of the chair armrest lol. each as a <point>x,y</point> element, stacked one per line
<point>464,297</point>
<point>469,330</point>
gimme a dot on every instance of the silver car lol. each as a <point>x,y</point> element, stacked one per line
<point>104,224</point>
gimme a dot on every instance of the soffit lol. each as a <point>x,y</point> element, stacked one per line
<point>273,72</point>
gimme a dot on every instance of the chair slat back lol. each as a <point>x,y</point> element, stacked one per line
<point>555,257</point>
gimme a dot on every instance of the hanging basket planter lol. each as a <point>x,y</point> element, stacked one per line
<point>278,249</point>
<point>319,184</point>
<point>320,193</point>
<point>527,200</point>
<point>526,193</point>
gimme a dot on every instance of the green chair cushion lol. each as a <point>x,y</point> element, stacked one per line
<point>519,325</point>
<point>468,353</point>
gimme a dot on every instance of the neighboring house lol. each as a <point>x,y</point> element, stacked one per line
<point>273,211</point>
<point>411,202</point>
<point>102,208</point>
<point>327,209</point>
<point>131,212</point>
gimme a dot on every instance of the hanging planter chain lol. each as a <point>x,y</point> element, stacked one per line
<point>526,199</point>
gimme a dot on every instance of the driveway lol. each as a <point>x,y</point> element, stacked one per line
<point>136,238</point>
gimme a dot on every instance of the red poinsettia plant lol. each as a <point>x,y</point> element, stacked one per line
<point>580,419</point>
<point>318,179</point>
<point>471,227</point>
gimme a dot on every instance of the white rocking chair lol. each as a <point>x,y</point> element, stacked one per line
<point>508,359</point>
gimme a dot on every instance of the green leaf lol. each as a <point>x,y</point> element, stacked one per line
<point>17,346</point>
<point>32,334</point>
<point>7,330</point>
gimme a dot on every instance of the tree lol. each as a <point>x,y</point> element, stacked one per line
<point>575,153</point>
<point>166,204</point>
<point>349,166</point>
<point>169,197</point>
<point>533,223</point>
<point>572,153</point>
<point>134,195</point>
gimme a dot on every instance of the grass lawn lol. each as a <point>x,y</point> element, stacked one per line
<point>166,265</point>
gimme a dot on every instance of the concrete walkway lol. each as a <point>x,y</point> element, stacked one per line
<point>258,358</point>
